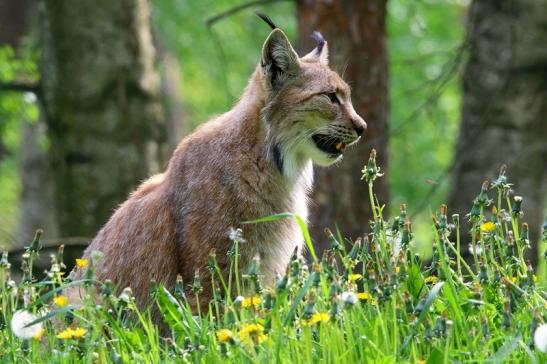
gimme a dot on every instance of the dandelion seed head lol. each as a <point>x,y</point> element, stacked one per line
<point>540,338</point>
<point>477,250</point>
<point>19,324</point>
<point>349,298</point>
<point>236,235</point>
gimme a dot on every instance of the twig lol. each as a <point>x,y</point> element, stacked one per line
<point>236,9</point>
<point>20,87</point>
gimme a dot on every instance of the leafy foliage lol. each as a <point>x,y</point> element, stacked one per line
<point>377,301</point>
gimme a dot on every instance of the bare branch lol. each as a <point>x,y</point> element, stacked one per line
<point>236,9</point>
<point>20,87</point>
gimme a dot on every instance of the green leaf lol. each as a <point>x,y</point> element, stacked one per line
<point>505,350</point>
<point>301,224</point>
<point>415,282</point>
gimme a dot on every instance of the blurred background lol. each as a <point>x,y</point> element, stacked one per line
<point>95,95</point>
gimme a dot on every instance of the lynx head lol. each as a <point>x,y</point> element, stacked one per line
<point>308,112</point>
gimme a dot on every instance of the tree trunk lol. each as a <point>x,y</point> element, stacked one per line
<point>100,92</point>
<point>504,119</point>
<point>37,185</point>
<point>355,31</point>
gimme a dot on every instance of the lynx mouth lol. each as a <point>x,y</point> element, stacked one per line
<point>329,144</point>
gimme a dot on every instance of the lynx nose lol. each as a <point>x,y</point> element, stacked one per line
<point>359,125</point>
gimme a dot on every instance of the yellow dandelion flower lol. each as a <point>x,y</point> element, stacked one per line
<point>317,318</point>
<point>397,269</point>
<point>65,334</point>
<point>38,336</point>
<point>79,332</point>
<point>432,279</point>
<point>354,277</point>
<point>60,301</point>
<point>363,296</point>
<point>514,279</point>
<point>488,227</point>
<point>82,263</point>
<point>252,334</point>
<point>251,301</point>
<point>224,335</point>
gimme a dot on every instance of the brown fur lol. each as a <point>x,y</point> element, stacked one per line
<point>253,161</point>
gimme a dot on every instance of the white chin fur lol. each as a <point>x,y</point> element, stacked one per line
<point>323,159</point>
<point>319,157</point>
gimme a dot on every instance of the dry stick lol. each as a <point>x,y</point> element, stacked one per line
<point>236,9</point>
<point>20,87</point>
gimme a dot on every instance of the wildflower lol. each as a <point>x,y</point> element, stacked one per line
<point>252,334</point>
<point>349,298</point>
<point>82,263</point>
<point>432,279</point>
<point>363,296</point>
<point>65,334</point>
<point>20,328</point>
<point>540,338</point>
<point>354,277</point>
<point>224,335</point>
<point>39,334</point>
<point>79,333</point>
<point>397,269</point>
<point>251,301</point>
<point>317,318</point>
<point>70,333</point>
<point>488,227</point>
<point>60,301</point>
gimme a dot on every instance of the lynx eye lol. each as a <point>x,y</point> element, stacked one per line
<point>332,97</point>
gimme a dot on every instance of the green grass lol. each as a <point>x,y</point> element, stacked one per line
<point>372,300</point>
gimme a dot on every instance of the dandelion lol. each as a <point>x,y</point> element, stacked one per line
<point>39,334</point>
<point>65,334</point>
<point>431,280</point>
<point>251,301</point>
<point>78,332</point>
<point>60,301</point>
<point>355,277</point>
<point>70,333</point>
<point>540,338</point>
<point>252,334</point>
<point>363,296</point>
<point>317,318</point>
<point>20,325</point>
<point>224,335</point>
<point>349,298</point>
<point>488,227</point>
<point>82,263</point>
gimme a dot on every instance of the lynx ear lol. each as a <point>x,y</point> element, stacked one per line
<point>279,60</point>
<point>320,52</point>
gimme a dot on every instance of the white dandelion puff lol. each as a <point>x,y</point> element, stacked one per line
<point>19,324</point>
<point>540,338</point>
<point>349,298</point>
<point>476,250</point>
<point>238,301</point>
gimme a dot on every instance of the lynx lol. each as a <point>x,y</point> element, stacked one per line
<point>251,162</point>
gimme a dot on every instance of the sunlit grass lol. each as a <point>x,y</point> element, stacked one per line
<point>371,300</point>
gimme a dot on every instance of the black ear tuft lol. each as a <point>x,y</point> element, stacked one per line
<point>267,19</point>
<point>279,60</point>
<point>318,37</point>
